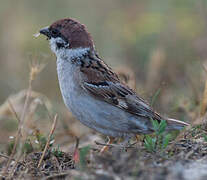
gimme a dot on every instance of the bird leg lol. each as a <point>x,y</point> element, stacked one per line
<point>76,156</point>
<point>106,148</point>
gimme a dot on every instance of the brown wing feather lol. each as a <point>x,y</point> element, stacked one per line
<point>104,84</point>
<point>95,70</point>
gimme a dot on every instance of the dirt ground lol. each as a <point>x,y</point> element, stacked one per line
<point>184,159</point>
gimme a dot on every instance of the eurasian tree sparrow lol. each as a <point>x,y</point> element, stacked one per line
<point>92,91</point>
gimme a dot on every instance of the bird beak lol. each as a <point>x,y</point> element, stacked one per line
<point>45,31</point>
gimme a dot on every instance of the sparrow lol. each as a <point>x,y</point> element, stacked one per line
<point>92,91</point>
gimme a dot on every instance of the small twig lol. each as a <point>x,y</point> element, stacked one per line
<point>7,157</point>
<point>33,72</point>
<point>13,110</point>
<point>17,137</point>
<point>20,127</point>
<point>58,176</point>
<point>115,145</point>
<point>104,144</point>
<point>25,105</point>
<point>48,141</point>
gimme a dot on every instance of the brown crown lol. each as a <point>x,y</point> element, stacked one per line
<point>74,32</point>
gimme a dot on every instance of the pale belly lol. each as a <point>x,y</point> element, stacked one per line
<point>94,113</point>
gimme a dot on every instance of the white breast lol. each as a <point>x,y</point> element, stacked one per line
<point>96,114</point>
<point>68,86</point>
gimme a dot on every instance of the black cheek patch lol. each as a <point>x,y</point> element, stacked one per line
<point>60,45</point>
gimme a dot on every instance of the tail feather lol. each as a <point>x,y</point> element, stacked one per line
<point>174,124</point>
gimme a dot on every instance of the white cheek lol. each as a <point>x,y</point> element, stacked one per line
<point>53,44</point>
<point>66,53</point>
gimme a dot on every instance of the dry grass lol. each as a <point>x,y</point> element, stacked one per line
<point>48,140</point>
<point>204,99</point>
<point>21,134</point>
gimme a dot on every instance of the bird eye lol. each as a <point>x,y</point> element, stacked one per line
<point>54,32</point>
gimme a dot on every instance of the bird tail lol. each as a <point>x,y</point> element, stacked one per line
<point>174,124</point>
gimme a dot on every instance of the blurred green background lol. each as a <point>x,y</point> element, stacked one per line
<point>163,42</point>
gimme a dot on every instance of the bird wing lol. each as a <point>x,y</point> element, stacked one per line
<point>101,82</point>
<point>120,96</point>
